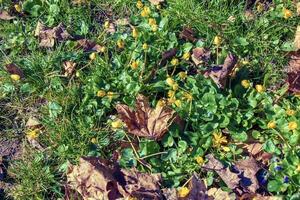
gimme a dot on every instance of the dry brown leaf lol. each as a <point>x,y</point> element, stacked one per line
<point>231,179</point>
<point>156,2</point>
<point>293,70</point>
<point>14,69</point>
<point>220,74</point>
<point>88,45</point>
<point>254,148</point>
<point>248,196</point>
<point>69,67</point>
<point>219,194</point>
<point>4,15</point>
<point>167,55</point>
<point>197,189</point>
<point>298,8</point>
<point>32,122</point>
<point>200,55</point>
<point>170,193</point>
<point>94,179</point>
<point>48,36</point>
<point>297,38</point>
<point>188,34</point>
<point>249,168</point>
<point>145,121</point>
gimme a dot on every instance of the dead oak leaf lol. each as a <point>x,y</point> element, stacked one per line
<point>14,69</point>
<point>156,2</point>
<point>48,36</point>
<point>4,15</point>
<point>200,55</point>
<point>188,34</point>
<point>220,74</point>
<point>69,67</point>
<point>145,121</point>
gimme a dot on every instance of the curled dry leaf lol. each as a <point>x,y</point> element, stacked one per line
<point>168,55</point>
<point>14,69</point>
<point>219,194</point>
<point>156,2</point>
<point>231,179</point>
<point>145,121</point>
<point>200,55</point>
<point>197,189</point>
<point>48,36</point>
<point>220,74</point>
<point>94,179</point>
<point>293,70</point>
<point>88,45</point>
<point>297,38</point>
<point>4,15</point>
<point>247,196</point>
<point>188,34</point>
<point>32,122</point>
<point>69,67</point>
<point>255,149</point>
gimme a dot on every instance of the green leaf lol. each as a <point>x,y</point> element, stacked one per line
<point>148,147</point>
<point>168,141</point>
<point>128,158</point>
<point>274,186</point>
<point>182,146</point>
<point>269,146</point>
<point>240,136</point>
<point>54,109</point>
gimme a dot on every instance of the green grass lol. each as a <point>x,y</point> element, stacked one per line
<point>72,116</point>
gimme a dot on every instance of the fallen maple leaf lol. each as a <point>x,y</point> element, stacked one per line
<point>156,2</point>
<point>88,45</point>
<point>48,36</point>
<point>168,55</point>
<point>4,15</point>
<point>220,74</point>
<point>297,38</point>
<point>69,67</point>
<point>200,55</point>
<point>145,121</point>
<point>93,178</point>
<point>14,69</point>
<point>187,34</point>
<point>231,179</point>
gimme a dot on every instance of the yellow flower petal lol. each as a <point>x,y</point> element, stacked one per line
<point>183,192</point>
<point>293,125</point>
<point>245,83</point>
<point>15,77</point>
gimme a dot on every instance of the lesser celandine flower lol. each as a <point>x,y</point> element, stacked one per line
<point>94,140</point>
<point>199,160</point>
<point>182,75</point>
<point>226,149</point>
<point>152,21</point>
<point>161,103</point>
<point>145,12</point>
<point>170,81</point>
<point>120,44</point>
<point>260,88</point>
<point>183,192</point>
<point>245,83</point>
<point>293,125</point>
<point>217,41</point>
<point>174,61</point>
<point>33,134</point>
<point>18,7</point>
<point>219,139</point>
<point>135,33</point>
<point>171,93</point>
<point>145,46</point>
<point>15,77</point>
<point>101,93</point>
<point>178,103</point>
<point>154,28</point>
<point>175,86</point>
<point>106,24</point>
<point>186,56</point>
<point>116,124</point>
<point>93,56</point>
<point>102,49</point>
<point>287,13</point>
<point>187,96</point>
<point>260,7</point>
<point>139,5</point>
<point>271,125</point>
<point>134,65</point>
<point>290,112</point>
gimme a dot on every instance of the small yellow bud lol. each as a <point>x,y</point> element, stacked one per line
<point>139,5</point>
<point>134,65</point>
<point>217,41</point>
<point>15,77</point>
<point>175,86</point>
<point>187,96</point>
<point>178,103</point>
<point>31,135</point>
<point>182,75</point>
<point>298,168</point>
<point>94,140</point>
<point>199,160</point>
<point>260,7</point>
<point>186,56</point>
<point>135,33</point>
<point>145,12</point>
<point>183,192</point>
<point>152,21</point>
<point>101,93</point>
<point>120,44</point>
<point>161,103</point>
<point>106,24</point>
<point>154,28</point>
<point>260,88</point>
<point>293,126</point>
<point>245,83</point>
<point>102,49</point>
<point>170,81</point>
<point>290,112</point>
<point>145,46</point>
<point>171,93</point>
<point>111,95</point>
<point>271,125</point>
<point>116,124</point>
<point>226,149</point>
<point>158,7</point>
<point>287,13</point>
<point>18,8</point>
<point>93,56</point>
<point>245,62</point>
<point>174,61</point>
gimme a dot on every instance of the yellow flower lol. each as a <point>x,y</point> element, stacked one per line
<point>199,160</point>
<point>152,21</point>
<point>271,125</point>
<point>182,75</point>
<point>287,13</point>
<point>171,100</point>
<point>171,93</point>
<point>245,62</point>
<point>187,96</point>
<point>158,7</point>
<point>94,140</point>
<point>139,5</point>
<point>293,125</point>
<point>290,112</point>
<point>175,86</point>
<point>245,83</point>
<point>101,93</point>
<point>145,46</point>
<point>186,56</point>
<point>145,12</point>
<point>93,56</point>
<point>219,139</point>
<point>154,28</point>
<point>217,40</point>
<point>102,49</point>
<point>106,24</point>
<point>161,103</point>
<point>178,103</point>
<point>170,81</point>
<point>116,124</point>
<point>260,88</point>
<point>111,95</point>
<point>174,61</point>
<point>226,149</point>
<point>31,135</point>
<point>134,65</point>
<point>260,7</point>
<point>15,77</point>
<point>18,7</point>
<point>120,44</point>
<point>135,33</point>
<point>183,192</point>
<point>298,168</point>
